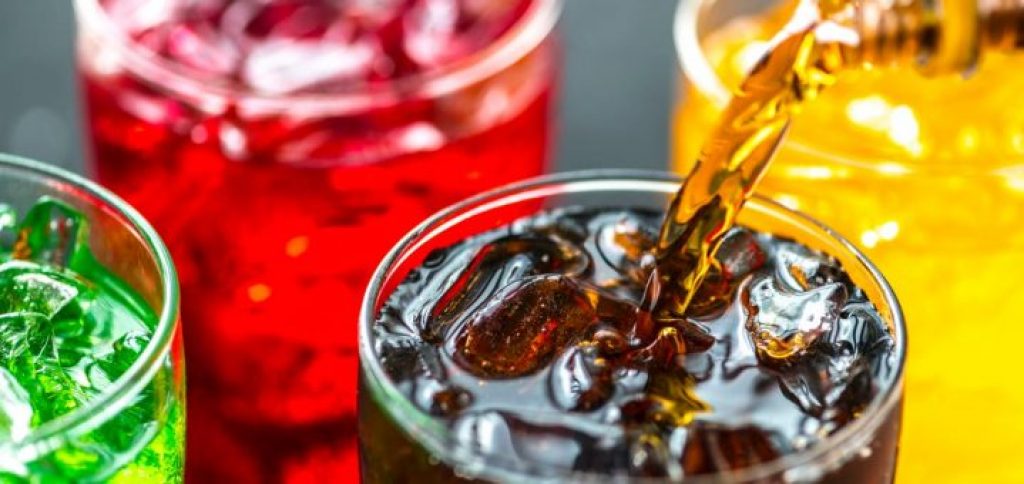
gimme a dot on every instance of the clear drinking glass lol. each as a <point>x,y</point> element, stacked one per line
<point>133,431</point>
<point>279,194</point>
<point>926,175</point>
<point>399,442</point>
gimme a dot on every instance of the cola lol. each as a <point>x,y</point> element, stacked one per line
<point>538,350</point>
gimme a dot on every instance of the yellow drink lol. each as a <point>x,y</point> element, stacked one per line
<point>927,176</point>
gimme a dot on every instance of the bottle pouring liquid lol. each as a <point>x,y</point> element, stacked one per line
<point>823,38</point>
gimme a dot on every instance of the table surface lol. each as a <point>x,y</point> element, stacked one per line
<point>617,91</point>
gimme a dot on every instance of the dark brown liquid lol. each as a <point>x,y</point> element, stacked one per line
<point>531,345</point>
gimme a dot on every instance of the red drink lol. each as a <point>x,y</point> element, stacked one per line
<point>281,147</point>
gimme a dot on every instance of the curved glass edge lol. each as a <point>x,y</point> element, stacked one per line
<point>113,399</point>
<point>431,434</point>
<point>519,41</point>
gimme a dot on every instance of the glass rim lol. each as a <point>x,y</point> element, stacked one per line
<point>528,32</point>
<point>116,396</point>
<point>697,69</point>
<point>595,181</point>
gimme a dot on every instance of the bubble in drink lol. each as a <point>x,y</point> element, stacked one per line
<point>565,372</point>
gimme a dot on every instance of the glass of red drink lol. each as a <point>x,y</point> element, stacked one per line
<point>280,147</point>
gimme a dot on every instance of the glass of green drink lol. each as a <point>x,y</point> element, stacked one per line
<point>91,363</point>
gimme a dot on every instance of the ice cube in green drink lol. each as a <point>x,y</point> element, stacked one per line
<point>69,329</point>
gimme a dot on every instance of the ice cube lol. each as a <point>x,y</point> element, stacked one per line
<point>134,425</point>
<point>740,254</point>
<point>860,332</point>
<point>580,380</point>
<point>495,266</point>
<point>51,388</point>
<point>282,66</point>
<point>783,323</point>
<point>524,326</point>
<point>430,28</point>
<point>51,232</point>
<point>808,387</point>
<point>852,353</point>
<point>800,268</point>
<point>829,389</point>
<point>21,334</point>
<point>484,432</point>
<point>400,352</point>
<point>202,46</point>
<point>30,290</point>
<point>42,320</point>
<point>15,407</point>
<point>125,352</point>
<point>622,240</point>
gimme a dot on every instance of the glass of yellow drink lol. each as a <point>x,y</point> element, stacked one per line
<point>926,175</point>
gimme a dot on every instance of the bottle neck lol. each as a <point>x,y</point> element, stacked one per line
<point>938,36</point>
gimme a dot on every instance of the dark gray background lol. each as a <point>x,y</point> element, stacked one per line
<point>617,91</point>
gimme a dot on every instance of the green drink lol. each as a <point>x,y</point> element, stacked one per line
<point>91,369</point>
